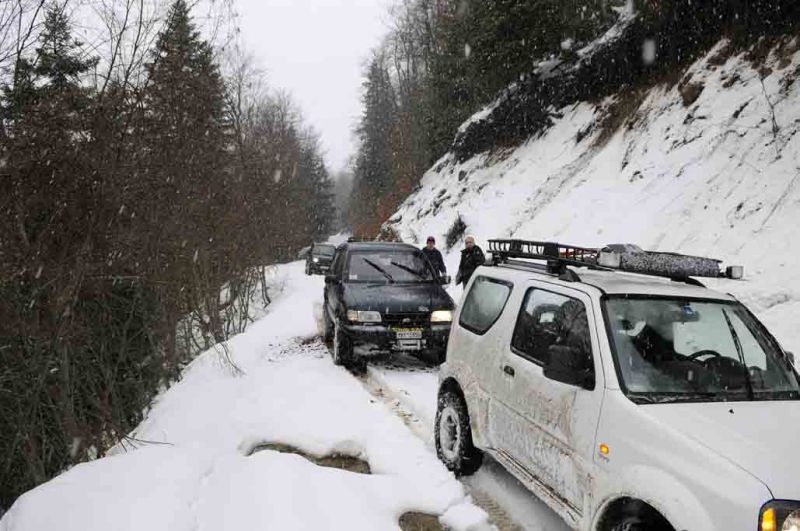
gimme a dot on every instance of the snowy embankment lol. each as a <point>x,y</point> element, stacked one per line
<point>199,460</point>
<point>707,166</point>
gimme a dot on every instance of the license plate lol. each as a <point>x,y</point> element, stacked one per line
<point>408,333</point>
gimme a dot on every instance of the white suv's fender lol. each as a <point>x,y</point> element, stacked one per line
<point>476,398</point>
<point>658,489</point>
<point>649,460</point>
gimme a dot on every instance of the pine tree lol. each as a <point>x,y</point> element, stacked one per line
<point>46,244</point>
<point>185,176</point>
<point>322,208</point>
<point>47,117</point>
<point>374,171</point>
<point>185,131</point>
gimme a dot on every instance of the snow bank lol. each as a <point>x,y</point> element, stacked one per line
<point>714,177</point>
<point>192,466</point>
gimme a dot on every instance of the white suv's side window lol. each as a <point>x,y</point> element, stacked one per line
<point>548,320</point>
<point>484,304</point>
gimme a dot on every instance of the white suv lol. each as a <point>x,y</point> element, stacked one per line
<point>624,401</point>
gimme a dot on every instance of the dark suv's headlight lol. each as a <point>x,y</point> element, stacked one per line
<point>358,316</point>
<point>780,515</point>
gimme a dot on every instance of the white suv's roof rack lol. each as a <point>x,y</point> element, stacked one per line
<point>616,257</point>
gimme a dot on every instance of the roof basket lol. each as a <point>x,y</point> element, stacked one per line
<point>553,252</point>
<point>621,257</point>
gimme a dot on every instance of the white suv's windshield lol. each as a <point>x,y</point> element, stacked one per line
<point>671,350</point>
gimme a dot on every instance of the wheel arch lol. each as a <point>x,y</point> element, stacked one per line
<point>617,508</point>
<point>473,396</point>
<point>450,384</point>
<point>650,487</point>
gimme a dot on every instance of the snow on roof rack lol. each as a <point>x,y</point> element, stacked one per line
<point>620,257</point>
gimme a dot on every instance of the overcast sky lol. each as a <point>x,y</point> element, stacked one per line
<point>315,49</point>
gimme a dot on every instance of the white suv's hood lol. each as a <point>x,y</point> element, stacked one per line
<point>763,438</point>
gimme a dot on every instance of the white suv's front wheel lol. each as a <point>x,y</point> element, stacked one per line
<point>453,435</point>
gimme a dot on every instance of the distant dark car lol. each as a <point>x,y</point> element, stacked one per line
<point>386,297</point>
<point>319,258</point>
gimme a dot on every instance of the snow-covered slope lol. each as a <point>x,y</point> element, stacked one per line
<point>716,176</point>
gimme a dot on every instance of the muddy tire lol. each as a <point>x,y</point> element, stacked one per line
<point>629,523</point>
<point>357,365</point>
<point>636,516</point>
<point>342,351</point>
<point>327,325</point>
<point>453,435</point>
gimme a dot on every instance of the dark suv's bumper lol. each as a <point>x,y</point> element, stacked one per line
<point>318,269</point>
<point>433,337</point>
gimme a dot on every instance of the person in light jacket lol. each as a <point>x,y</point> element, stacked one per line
<point>471,258</point>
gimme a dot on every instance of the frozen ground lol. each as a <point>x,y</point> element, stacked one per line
<point>194,467</point>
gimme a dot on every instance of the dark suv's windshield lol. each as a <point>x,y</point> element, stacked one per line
<point>670,350</point>
<point>324,250</point>
<point>389,266</point>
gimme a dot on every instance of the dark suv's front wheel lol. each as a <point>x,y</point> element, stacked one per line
<point>342,351</point>
<point>453,435</point>
<point>327,324</point>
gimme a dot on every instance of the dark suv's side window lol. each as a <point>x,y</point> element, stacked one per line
<point>547,320</point>
<point>484,304</point>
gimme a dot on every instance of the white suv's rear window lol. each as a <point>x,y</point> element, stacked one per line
<point>484,304</point>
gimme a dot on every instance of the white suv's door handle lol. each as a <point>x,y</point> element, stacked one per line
<point>509,370</point>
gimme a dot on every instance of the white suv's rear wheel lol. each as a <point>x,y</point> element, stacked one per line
<point>453,435</point>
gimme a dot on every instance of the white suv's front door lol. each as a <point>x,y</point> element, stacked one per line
<point>544,426</point>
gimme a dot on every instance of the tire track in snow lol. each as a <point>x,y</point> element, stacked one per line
<point>381,391</point>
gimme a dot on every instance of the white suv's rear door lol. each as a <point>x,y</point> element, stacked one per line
<point>544,426</point>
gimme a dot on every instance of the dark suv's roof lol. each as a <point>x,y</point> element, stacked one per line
<point>378,246</point>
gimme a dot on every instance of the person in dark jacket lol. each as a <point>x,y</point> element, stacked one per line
<point>471,258</point>
<point>434,256</point>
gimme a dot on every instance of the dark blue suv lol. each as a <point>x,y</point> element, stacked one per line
<point>385,297</point>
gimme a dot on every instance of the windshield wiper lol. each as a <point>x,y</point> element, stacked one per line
<point>788,394</point>
<point>672,397</point>
<point>408,269</point>
<point>380,269</point>
<point>740,353</point>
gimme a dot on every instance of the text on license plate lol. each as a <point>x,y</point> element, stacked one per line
<point>408,333</point>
